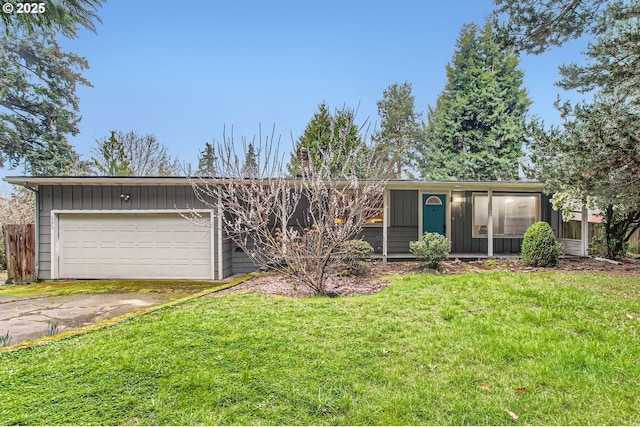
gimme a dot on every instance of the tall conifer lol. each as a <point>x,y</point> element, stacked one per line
<point>325,131</point>
<point>477,128</point>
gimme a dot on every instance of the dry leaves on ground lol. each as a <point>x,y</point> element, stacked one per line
<point>512,414</point>
<point>485,387</point>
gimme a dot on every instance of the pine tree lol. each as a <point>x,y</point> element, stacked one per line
<point>63,16</point>
<point>400,130</point>
<point>38,84</point>
<point>250,166</point>
<point>325,131</point>
<point>595,156</point>
<point>111,159</point>
<point>40,108</point>
<point>477,128</point>
<point>207,161</point>
<point>534,26</point>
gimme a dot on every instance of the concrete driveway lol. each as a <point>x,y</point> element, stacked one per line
<point>32,317</point>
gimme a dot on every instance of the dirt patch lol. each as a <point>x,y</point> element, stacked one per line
<point>375,279</point>
<point>628,267</point>
<point>278,284</point>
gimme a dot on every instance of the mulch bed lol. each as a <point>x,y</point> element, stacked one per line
<point>374,280</point>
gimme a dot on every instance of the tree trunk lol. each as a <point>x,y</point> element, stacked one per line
<point>618,233</point>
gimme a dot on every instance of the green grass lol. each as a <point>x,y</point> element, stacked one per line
<point>553,348</point>
<point>174,288</point>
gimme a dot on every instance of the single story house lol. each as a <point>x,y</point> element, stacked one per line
<point>135,227</point>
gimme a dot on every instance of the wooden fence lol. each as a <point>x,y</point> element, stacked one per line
<point>571,230</point>
<point>20,250</point>
<point>634,241</point>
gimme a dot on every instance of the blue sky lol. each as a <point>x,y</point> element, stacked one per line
<point>183,70</point>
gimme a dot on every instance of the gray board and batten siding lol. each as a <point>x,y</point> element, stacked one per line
<point>71,195</point>
<point>462,240</point>
<point>107,198</point>
<point>404,225</point>
<point>403,228</point>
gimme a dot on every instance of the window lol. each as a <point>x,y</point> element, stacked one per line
<point>433,200</point>
<point>512,214</point>
<point>372,217</point>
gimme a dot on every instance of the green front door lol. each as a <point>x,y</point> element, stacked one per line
<point>433,213</point>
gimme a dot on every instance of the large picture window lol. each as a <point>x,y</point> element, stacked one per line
<point>512,214</point>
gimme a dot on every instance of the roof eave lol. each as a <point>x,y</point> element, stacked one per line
<point>35,181</point>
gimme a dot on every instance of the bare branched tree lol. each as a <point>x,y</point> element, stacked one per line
<point>141,155</point>
<point>295,226</point>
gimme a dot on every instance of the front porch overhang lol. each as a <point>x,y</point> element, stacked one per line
<point>450,188</point>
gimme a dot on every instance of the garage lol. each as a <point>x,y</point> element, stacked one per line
<point>132,245</point>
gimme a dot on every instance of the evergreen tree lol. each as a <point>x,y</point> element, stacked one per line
<point>111,158</point>
<point>477,128</point>
<point>131,153</point>
<point>250,166</point>
<point>614,57</point>
<point>40,108</point>
<point>62,16</point>
<point>534,26</point>
<point>595,156</point>
<point>38,82</point>
<point>55,157</point>
<point>400,130</point>
<point>207,161</point>
<point>326,132</point>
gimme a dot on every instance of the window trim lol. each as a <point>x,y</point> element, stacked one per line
<point>537,214</point>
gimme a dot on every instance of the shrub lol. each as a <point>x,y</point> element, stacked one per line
<point>599,247</point>
<point>356,255</point>
<point>431,250</point>
<point>539,247</point>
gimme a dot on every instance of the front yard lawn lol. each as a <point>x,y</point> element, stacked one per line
<point>493,348</point>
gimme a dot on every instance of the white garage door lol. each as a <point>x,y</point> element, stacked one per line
<point>133,246</point>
